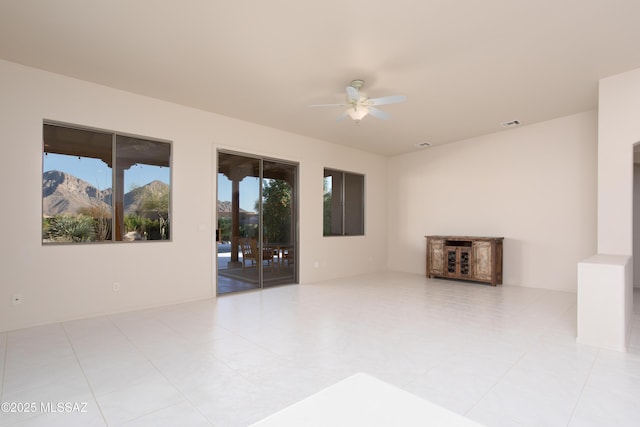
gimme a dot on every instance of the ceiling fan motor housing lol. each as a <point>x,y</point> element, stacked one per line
<point>357,84</point>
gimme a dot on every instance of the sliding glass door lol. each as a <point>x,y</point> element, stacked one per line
<point>257,227</point>
<point>279,223</point>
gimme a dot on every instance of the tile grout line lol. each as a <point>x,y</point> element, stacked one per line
<point>84,374</point>
<point>584,386</point>
<point>522,356</point>
<point>142,353</point>
<point>539,337</point>
<point>194,345</point>
<point>241,374</point>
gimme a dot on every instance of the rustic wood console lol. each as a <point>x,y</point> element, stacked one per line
<point>466,258</point>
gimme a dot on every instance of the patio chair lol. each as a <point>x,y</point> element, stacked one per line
<point>250,252</point>
<point>288,256</point>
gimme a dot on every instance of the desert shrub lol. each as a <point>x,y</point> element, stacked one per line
<point>101,218</point>
<point>67,228</point>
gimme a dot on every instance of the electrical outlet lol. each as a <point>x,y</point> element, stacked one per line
<point>16,299</point>
<point>116,286</point>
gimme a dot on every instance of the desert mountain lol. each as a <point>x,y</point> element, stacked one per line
<point>65,194</point>
<point>225,207</point>
<point>133,198</point>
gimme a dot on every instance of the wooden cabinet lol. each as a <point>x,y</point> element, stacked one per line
<point>466,258</point>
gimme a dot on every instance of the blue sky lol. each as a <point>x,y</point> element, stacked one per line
<point>249,191</point>
<point>97,173</point>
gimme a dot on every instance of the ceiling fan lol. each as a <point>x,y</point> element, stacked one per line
<point>360,106</point>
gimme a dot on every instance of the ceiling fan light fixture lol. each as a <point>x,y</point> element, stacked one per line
<point>358,114</point>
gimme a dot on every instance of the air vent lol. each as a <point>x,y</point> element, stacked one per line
<point>511,124</point>
<point>423,144</point>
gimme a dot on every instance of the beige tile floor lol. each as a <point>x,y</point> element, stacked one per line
<point>502,356</point>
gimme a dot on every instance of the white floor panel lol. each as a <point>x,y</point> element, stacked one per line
<point>502,356</point>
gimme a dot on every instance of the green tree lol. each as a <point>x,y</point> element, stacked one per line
<point>155,205</point>
<point>277,210</point>
<point>224,225</point>
<point>133,222</point>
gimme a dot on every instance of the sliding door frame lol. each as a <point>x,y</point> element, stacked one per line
<point>260,214</point>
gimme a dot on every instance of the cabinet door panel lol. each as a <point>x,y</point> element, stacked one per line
<point>482,261</point>
<point>452,261</point>
<point>436,256</point>
<point>464,262</point>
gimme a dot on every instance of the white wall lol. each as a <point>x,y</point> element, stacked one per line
<point>618,131</point>
<point>636,225</point>
<point>65,282</point>
<point>534,185</point>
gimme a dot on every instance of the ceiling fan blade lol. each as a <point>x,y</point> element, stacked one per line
<point>343,116</point>
<point>387,100</point>
<point>378,113</point>
<point>328,105</point>
<point>352,94</point>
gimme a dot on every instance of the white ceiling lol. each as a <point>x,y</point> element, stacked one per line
<point>466,66</point>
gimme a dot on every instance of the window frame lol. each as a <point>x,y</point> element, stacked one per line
<point>163,157</point>
<point>349,206</point>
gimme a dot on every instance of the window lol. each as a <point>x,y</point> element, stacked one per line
<point>100,186</point>
<point>343,203</point>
